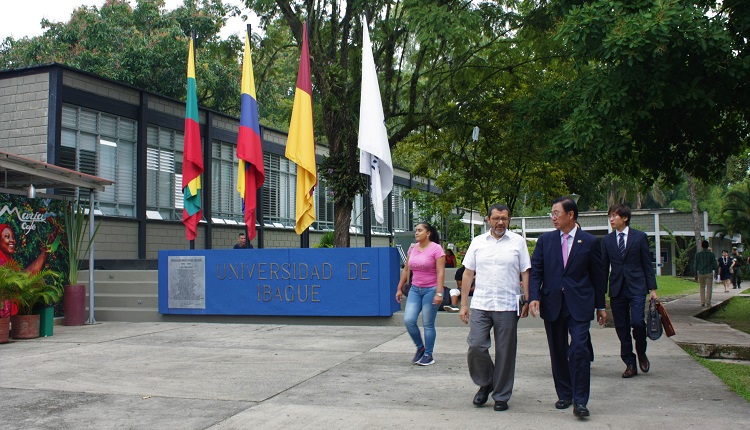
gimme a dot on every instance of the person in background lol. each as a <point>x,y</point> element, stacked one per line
<point>705,267</point>
<point>242,242</point>
<point>499,258</point>
<point>450,259</point>
<point>725,270</point>
<point>425,264</point>
<point>455,293</point>
<point>736,268</point>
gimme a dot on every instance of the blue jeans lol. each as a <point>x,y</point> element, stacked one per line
<point>420,299</point>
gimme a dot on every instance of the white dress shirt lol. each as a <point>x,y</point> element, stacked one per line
<point>498,264</point>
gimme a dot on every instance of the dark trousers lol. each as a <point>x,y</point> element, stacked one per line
<point>736,278</point>
<point>628,312</point>
<point>571,360</point>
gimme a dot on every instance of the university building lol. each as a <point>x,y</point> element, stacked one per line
<point>73,119</point>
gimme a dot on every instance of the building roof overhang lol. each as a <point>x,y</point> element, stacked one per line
<point>17,172</point>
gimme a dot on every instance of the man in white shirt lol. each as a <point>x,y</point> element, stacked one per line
<point>500,259</point>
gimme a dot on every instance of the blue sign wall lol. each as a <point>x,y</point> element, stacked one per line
<point>300,282</point>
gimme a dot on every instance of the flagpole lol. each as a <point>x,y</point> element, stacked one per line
<point>192,37</point>
<point>247,230</point>
<point>259,207</point>
<point>366,218</point>
<point>192,157</point>
<point>304,238</point>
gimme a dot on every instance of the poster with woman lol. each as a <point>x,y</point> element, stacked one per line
<point>32,237</point>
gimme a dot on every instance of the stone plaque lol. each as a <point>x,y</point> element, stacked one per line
<point>187,282</point>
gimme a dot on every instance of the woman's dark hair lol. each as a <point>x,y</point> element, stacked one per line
<point>434,235</point>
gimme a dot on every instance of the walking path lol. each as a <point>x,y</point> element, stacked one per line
<point>117,375</point>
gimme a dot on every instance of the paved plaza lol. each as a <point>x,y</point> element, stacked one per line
<point>116,375</point>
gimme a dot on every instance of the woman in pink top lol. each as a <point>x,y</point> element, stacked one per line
<point>425,261</point>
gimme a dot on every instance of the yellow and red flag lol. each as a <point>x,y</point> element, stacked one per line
<point>250,171</point>
<point>300,147</point>
<point>192,155</point>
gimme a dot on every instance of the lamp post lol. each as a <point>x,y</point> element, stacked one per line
<point>474,137</point>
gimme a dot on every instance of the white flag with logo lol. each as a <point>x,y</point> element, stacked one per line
<point>374,152</point>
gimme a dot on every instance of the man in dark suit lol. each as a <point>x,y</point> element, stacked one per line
<point>566,286</point>
<point>631,278</point>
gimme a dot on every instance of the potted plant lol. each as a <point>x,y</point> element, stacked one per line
<point>8,291</point>
<point>29,289</point>
<point>78,246</point>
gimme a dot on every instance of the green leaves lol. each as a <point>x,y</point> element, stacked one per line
<point>79,240</point>
<point>659,78</point>
<point>28,289</point>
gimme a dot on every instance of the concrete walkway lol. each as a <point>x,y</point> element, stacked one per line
<point>251,376</point>
<point>705,338</point>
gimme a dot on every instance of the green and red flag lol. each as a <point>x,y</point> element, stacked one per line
<point>250,171</point>
<point>192,155</point>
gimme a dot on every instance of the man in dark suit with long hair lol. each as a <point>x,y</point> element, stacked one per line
<point>631,278</point>
<point>566,287</point>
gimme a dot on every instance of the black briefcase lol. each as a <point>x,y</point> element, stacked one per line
<point>654,328</point>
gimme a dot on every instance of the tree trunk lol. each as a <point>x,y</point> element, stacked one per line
<point>696,214</point>
<point>342,215</point>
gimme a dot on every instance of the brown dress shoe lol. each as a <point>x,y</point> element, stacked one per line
<point>643,363</point>
<point>630,371</point>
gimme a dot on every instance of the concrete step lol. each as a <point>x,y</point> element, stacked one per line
<point>120,275</point>
<point>130,301</point>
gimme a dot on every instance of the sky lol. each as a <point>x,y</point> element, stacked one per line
<point>22,18</point>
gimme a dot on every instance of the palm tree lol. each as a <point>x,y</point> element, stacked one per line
<point>736,212</point>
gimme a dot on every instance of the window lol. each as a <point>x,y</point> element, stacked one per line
<point>164,199</point>
<point>226,201</point>
<point>323,207</point>
<point>358,209</point>
<point>279,198</point>
<point>401,207</point>
<point>102,145</point>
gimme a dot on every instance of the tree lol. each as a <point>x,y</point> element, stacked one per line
<point>427,52</point>
<point>736,212</point>
<point>149,52</point>
<point>662,86</point>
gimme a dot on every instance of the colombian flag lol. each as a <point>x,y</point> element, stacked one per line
<point>250,172</point>
<point>300,147</point>
<point>192,157</point>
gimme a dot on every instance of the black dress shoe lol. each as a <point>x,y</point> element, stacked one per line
<point>501,405</point>
<point>563,404</point>
<point>643,363</point>
<point>630,371</point>
<point>482,395</point>
<point>580,410</point>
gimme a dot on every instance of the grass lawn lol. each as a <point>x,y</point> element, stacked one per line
<point>673,287</point>
<point>736,376</point>
<point>735,313</point>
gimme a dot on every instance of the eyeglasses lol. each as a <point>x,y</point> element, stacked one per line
<point>613,216</point>
<point>555,214</point>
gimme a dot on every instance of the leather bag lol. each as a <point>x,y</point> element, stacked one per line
<point>665,321</point>
<point>653,321</point>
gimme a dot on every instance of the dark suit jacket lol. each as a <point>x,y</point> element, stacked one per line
<point>634,269</point>
<point>583,278</point>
